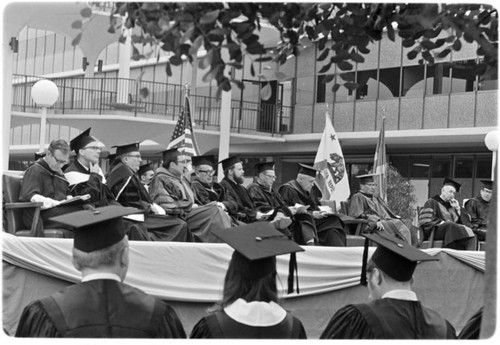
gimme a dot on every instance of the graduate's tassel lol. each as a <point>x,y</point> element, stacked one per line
<point>363,267</point>
<point>293,270</point>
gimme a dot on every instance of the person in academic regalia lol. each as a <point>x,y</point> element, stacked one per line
<point>330,229</point>
<point>130,192</point>
<point>146,173</point>
<point>249,307</point>
<point>172,191</point>
<point>479,208</point>
<point>101,306</point>
<point>44,182</point>
<point>86,177</point>
<point>472,329</point>
<point>394,311</point>
<point>444,214</point>
<point>365,205</point>
<point>266,198</point>
<point>238,200</point>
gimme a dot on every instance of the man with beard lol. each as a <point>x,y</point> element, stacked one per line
<point>130,192</point>
<point>394,311</point>
<point>44,182</point>
<point>479,208</point>
<point>238,200</point>
<point>266,199</point>
<point>364,205</point>
<point>442,213</point>
<point>330,228</point>
<point>172,191</point>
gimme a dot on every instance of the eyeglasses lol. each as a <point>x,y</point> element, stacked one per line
<point>372,184</point>
<point>208,172</point>
<point>60,161</point>
<point>135,156</point>
<point>270,176</point>
<point>93,148</point>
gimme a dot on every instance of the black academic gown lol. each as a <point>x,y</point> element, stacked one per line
<point>453,232</point>
<point>478,210</point>
<point>130,192</point>
<point>219,325</point>
<point>238,201</point>
<point>266,199</point>
<point>82,182</point>
<point>388,318</point>
<point>100,309</point>
<point>330,229</point>
<point>40,179</point>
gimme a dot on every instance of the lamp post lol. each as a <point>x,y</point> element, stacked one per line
<point>491,141</point>
<point>44,93</point>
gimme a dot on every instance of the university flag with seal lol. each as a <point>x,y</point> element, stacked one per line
<point>332,178</point>
<point>380,164</point>
<point>183,137</point>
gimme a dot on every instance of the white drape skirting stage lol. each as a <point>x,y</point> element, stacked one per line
<point>194,273</point>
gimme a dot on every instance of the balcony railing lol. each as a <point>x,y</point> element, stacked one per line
<point>101,96</point>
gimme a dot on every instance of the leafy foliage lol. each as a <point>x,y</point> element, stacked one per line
<point>342,32</point>
<point>400,193</point>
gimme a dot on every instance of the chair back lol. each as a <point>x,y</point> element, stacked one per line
<point>344,207</point>
<point>11,190</point>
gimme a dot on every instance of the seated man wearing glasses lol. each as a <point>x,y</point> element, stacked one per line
<point>172,191</point>
<point>205,189</point>
<point>130,192</point>
<point>44,182</point>
<point>364,205</point>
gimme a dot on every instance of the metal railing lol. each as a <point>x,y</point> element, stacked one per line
<point>111,95</point>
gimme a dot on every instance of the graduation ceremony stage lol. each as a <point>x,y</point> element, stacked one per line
<point>190,277</point>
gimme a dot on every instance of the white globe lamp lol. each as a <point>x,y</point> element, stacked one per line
<point>44,93</point>
<point>491,141</point>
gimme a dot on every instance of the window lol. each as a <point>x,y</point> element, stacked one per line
<point>441,167</point>
<point>483,167</point>
<point>420,167</point>
<point>463,167</point>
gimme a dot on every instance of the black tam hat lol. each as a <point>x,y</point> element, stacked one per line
<point>307,170</point>
<point>256,246</point>
<point>97,229</point>
<point>366,178</point>
<point>488,184</point>
<point>203,160</point>
<point>39,155</point>
<point>145,167</point>
<point>394,257</point>
<point>229,162</point>
<point>127,148</point>
<point>261,167</point>
<point>450,182</point>
<point>81,140</point>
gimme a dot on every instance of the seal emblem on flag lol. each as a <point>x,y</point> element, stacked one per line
<point>336,167</point>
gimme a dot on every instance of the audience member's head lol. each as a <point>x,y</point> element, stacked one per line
<point>306,177</point>
<point>100,244</point>
<point>391,266</point>
<point>204,168</point>
<point>87,148</point>
<point>129,155</point>
<point>57,154</point>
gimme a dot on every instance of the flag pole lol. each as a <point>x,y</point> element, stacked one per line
<point>225,130</point>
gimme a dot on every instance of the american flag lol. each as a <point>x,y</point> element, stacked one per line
<point>380,164</point>
<point>183,136</point>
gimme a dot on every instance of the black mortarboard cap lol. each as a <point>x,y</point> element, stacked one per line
<point>171,154</point>
<point>450,182</point>
<point>96,229</point>
<point>39,155</point>
<point>394,257</point>
<point>307,170</point>
<point>260,167</point>
<point>144,167</point>
<point>229,162</point>
<point>256,246</point>
<point>487,184</point>
<point>127,148</point>
<point>204,160</point>
<point>81,140</point>
<point>366,178</point>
